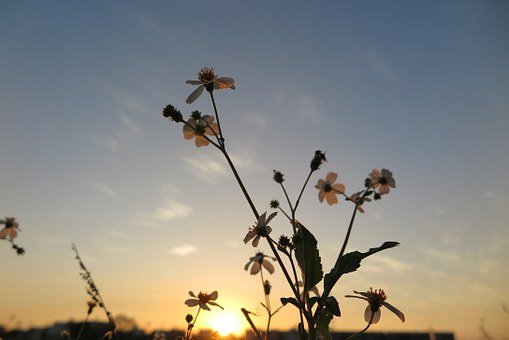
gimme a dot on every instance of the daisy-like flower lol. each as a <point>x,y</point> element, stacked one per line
<point>261,229</point>
<point>256,262</point>
<point>382,180</point>
<point>329,189</point>
<point>376,299</point>
<point>10,231</point>
<point>209,80</point>
<point>198,128</point>
<point>203,300</point>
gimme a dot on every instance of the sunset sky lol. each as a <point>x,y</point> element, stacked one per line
<point>420,88</point>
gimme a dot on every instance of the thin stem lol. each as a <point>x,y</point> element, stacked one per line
<point>365,328</point>
<point>302,190</point>
<point>221,140</point>
<point>83,327</point>
<point>253,327</point>
<point>347,236</point>
<point>190,329</point>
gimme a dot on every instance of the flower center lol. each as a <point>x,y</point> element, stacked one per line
<point>204,297</point>
<point>382,180</point>
<point>327,187</point>
<point>206,74</point>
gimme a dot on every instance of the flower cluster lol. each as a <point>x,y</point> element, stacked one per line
<point>10,232</point>
<point>207,79</point>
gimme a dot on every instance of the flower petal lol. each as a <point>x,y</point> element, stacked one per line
<point>194,82</point>
<point>331,177</point>
<point>331,198</point>
<point>320,184</point>
<point>195,94</point>
<point>271,217</point>
<point>338,187</point>
<point>201,141</point>
<point>396,311</point>
<point>3,233</point>
<point>192,302</point>
<point>255,268</point>
<point>246,267</point>
<point>213,295</point>
<point>224,83</point>
<point>249,236</point>
<point>215,304</point>
<point>192,294</point>
<point>256,240</point>
<point>321,195</point>
<point>267,265</point>
<point>376,315</point>
<point>203,305</point>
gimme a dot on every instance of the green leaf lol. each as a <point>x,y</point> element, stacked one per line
<point>332,305</point>
<point>308,258</point>
<point>291,300</point>
<point>349,263</point>
<point>322,324</point>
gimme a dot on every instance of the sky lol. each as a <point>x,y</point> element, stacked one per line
<point>419,88</point>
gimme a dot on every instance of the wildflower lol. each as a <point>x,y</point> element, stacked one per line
<point>274,204</point>
<point>261,229</point>
<point>259,260</point>
<point>356,198</point>
<point>329,189</point>
<point>317,160</point>
<point>203,299</point>
<point>278,176</point>
<point>199,128</point>
<point>91,305</point>
<point>376,299</point>
<point>171,112</point>
<point>382,180</point>
<point>209,80</point>
<point>10,231</point>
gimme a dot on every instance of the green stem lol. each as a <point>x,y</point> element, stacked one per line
<point>365,328</point>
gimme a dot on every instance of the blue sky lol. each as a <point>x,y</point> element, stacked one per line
<point>416,87</point>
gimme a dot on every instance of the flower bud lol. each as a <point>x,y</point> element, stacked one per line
<point>171,112</point>
<point>274,204</point>
<point>278,177</point>
<point>317,160</point>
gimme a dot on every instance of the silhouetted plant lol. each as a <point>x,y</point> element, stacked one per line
<point>96,299</point>
<point>10,232</point>
<point>202,300</point>
<point>315,312</point>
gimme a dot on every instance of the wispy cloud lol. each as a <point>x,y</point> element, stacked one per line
<point>104,188</point>
<point>112,247</point>
<point>302,105</point>
<point>183,250</point>
<point>205,167</point>
<point>380,66</point>
<point>444,256</point>
<point>168,211</point>
<point>381,263</point>
<point>256,118</point>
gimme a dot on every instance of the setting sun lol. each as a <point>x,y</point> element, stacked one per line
<point>226,323</point>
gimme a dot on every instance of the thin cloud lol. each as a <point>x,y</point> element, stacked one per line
<point>205,167</point>
<point>380,66</point>
<point>257,119</point>
<point>381,263</point>
<point>444,256</point>
<point>104,188</point>
<point>112,247</point>
<point>169,211</point>
<point>183,250</point>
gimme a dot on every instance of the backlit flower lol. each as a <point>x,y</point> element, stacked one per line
<point>256,262</point>
<point>203,300</point>
<point>382,180</point>
<point>208,79</point>
<point>10,231</point>
<point>198,128</point>
<point>261,229</point>
<point>329,189</point>
<point>376,299</point>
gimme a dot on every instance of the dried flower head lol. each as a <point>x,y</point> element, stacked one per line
<point>207,79</point>
<point>329,189</point>
<point>171,112</point>
<point>317,160</point>
<point>261,229</point>
<point>189,318</point>
<point>203,300</point>
<point>278,176</point>
<point>258,261</point>
<point>376,299</point>
<point>274,204</point>
<point>267,287</point>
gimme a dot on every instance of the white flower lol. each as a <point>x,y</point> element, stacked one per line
<point>382,180</point>
<point>10,231</point>
<point>261,229</point>
<point>198,128</point>
<point>208,79</point>
<point>376,299</point>
<point>259,260</point>
<point>329,189</point>
<point>203,300</point>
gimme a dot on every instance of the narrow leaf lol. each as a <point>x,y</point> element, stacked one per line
<point>291,300</point>
<point>349,263</point>
<point>333,306</point>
